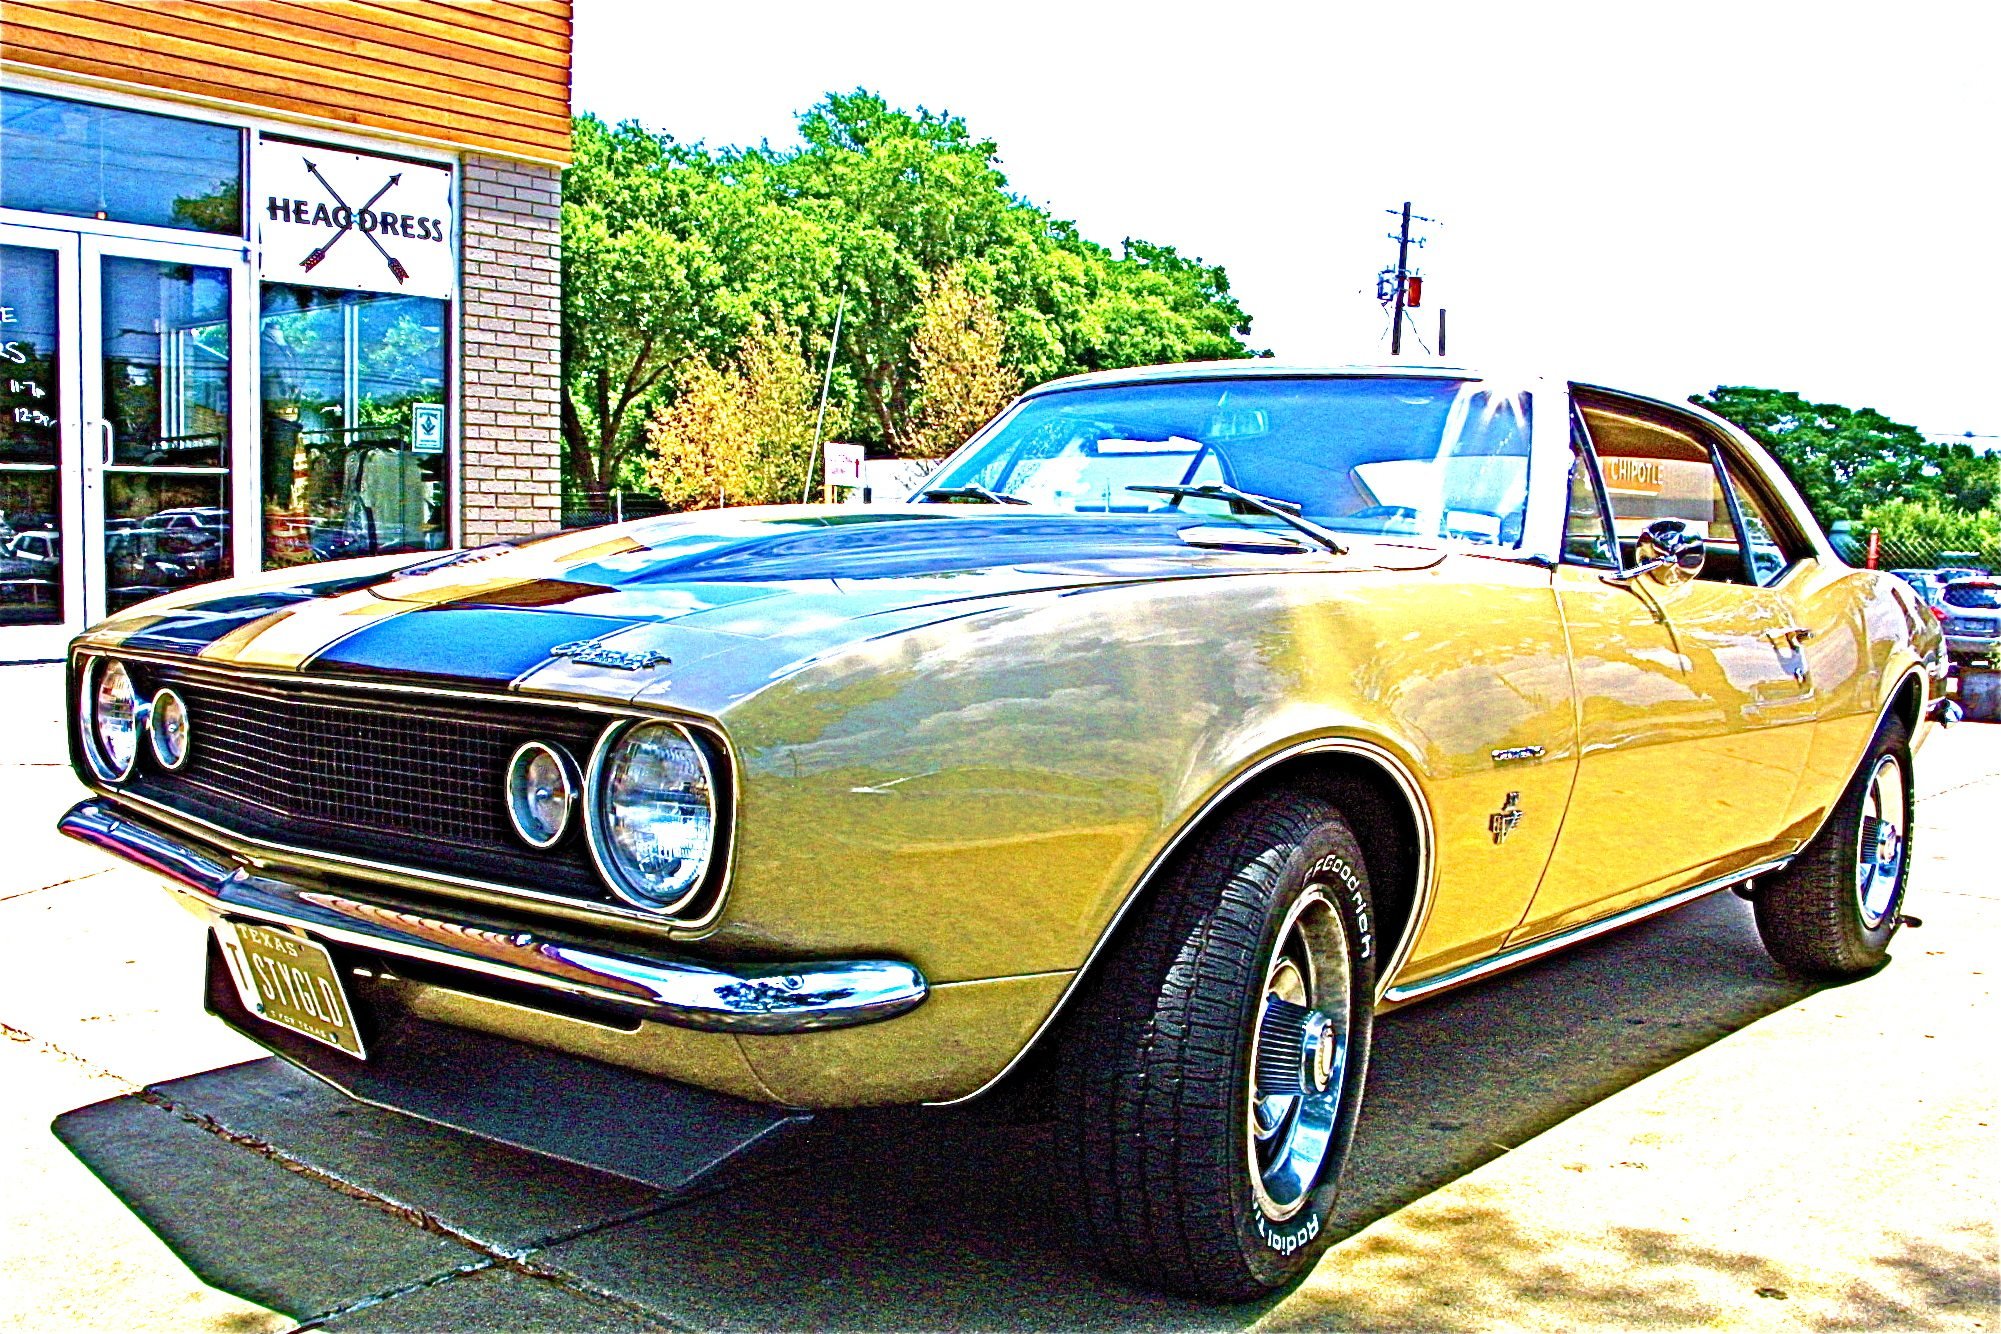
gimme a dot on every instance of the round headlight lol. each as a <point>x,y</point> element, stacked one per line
<point>111,740</point>
<point>653,814</point>
<point>541,791</point>
<point>167,728</point>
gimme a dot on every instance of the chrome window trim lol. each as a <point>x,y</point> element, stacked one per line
<point>153,732</point>
<point>572,782</point>
<point>494,893</point>
<point>594,816</point>
<point>1420,909</point>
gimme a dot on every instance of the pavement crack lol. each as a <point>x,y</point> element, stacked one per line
<point>90,1067</point>
<point>391,1294</point>
<point>417,1217</point>
<point>41,889</point>
<point>490,1255</point>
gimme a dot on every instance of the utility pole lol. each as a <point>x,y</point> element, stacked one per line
<point>1396,287</point>
<point>1403,277</point>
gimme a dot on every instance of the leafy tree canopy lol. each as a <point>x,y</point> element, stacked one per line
<point>1849,460</point>
<point>671,251</point>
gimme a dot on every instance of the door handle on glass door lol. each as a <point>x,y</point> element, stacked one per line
<point>104,442</point>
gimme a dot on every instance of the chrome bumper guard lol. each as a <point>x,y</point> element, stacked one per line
<point>783,998</point>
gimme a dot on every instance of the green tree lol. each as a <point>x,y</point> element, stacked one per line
<point>670,250</point>
<point>1913,533</point>
<point>1846,460</point>
<point>741,433</point>
<point>962,375</point>
<point>668,254</point>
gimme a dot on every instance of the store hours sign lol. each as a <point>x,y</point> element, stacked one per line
<point>327,218</point>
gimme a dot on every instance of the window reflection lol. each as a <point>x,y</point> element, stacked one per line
<point>31,567</point>
<point>353,424</point>
<point>166,359</point>
<point>166,363</point>
<point>84,161</point>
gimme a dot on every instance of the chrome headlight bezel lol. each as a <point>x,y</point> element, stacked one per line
<point>624,880</point>
<point>107,766</point>
<point>166,705</point>
<point>573,790</point>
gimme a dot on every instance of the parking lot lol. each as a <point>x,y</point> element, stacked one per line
<point>1657,1129</point>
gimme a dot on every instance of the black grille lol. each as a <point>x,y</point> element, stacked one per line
<point>407,780</point>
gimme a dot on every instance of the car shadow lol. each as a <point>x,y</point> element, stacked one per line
<point>922,1218</point>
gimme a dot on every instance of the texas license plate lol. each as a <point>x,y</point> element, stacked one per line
<point>291,981</point>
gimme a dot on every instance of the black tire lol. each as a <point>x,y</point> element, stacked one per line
<point>1831,913</point>
<point>1159,1166</point>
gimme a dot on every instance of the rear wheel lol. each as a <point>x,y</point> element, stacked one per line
<point>1833,911</point>
<point>1210,1075</point>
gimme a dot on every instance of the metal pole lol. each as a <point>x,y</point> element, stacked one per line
<point>1403,262</point>
<point>826,383</point>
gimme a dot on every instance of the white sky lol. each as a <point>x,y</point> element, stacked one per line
<point>1664,196</point>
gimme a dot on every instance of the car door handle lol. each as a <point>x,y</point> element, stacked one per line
<point>1790,636</point>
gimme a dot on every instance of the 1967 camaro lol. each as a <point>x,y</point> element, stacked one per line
<point>1186,719</point>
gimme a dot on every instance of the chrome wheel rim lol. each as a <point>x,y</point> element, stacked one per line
<point>1880,845</point>
<point>1299,1057</point>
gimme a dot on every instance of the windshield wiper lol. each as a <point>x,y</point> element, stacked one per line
<point>1283,510</point>
<point>972,491</point>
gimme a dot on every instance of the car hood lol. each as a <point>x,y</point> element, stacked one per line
<point>593,612</point>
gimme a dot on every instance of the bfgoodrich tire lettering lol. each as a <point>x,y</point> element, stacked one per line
<point>1254,964</point>
<point>1833,911</point>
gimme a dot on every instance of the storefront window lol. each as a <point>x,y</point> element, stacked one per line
<point>84,161</point>
<point>353,410</point>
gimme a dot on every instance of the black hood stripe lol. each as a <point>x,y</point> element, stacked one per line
<point>487,646</point>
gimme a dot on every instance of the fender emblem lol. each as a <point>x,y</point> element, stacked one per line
<point>1502,822</point>
<point>596,653</point>
<point>1517,753</point>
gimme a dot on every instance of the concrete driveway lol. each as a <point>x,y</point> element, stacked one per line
<point>1654,1130</point>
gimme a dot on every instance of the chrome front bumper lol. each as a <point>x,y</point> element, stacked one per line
<point>780,998</point>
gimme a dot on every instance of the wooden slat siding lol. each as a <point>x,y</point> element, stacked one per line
<point>448,17</point>
<point>483,76</point>
<point>532,22</point>
<point>195,42</point>
<point>185,67</point>
<point>228,25</point>
<point>324,23</point>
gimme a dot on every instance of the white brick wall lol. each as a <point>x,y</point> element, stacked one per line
<point>510,438</point>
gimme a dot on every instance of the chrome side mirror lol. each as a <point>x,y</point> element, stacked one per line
<point>1668,551</point>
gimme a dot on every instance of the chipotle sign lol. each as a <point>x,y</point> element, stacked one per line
<point>330,218</point>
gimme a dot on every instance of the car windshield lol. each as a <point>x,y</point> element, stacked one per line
<point>1986,597</point>
<point>1389,455</point>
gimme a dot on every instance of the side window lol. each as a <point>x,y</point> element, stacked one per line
<point>1585,540</point>
<point>1768,549</point>
<point>1655,469</point>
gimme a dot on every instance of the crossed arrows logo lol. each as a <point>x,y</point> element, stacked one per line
<point>351,217</point>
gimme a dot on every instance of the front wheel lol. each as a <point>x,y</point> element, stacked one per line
<point>1832,912</point>
<point>1210,1075</point>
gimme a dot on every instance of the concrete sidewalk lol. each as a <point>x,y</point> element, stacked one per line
<point>1654,1130</point>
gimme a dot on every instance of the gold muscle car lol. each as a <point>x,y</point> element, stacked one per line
<point>1185,720</point>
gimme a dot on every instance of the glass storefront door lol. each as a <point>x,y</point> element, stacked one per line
<point>122,427</point>
<point>162,409</point>
<point>41,582</point>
